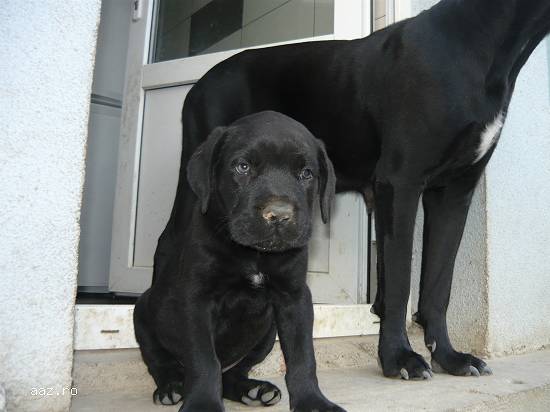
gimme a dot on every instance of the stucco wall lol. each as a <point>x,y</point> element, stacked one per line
<point>518,205</point>
<point>45,80</point>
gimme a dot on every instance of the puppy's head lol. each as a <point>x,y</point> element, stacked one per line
<point>262,174</point>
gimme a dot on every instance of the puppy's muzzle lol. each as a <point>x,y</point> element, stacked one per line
<point>278,212</point>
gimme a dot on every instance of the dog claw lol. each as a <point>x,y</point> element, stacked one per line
<point>167,400</point>
<point>432,346</point>
<point>427,375</point>
<point>264,394</point>
<point>253,393</point>
<point>474,371</point>
<point>270,398</point>
<point>487,371</point>
<point>251,402</point>
<point>404,374</point>
<point>170,394</point>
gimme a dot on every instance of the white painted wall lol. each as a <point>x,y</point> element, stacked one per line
<point>500,299</point>
<point>46,67</point>
<point>518,224</point>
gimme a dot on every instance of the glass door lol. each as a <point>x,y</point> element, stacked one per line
<point>172,44</point>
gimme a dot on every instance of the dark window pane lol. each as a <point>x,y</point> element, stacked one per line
<point>191,27</point>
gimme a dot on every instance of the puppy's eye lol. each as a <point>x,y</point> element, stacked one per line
<point>242,167</point>
<point>306,173</point>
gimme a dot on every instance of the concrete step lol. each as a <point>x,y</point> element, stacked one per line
<point>100,371</point>
<point>519,383</point>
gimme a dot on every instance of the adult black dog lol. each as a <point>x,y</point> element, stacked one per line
<point>242,273</point>
<point>414,109</point>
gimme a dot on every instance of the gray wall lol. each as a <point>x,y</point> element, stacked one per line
<point>518,207</point>
<point>46,67</point>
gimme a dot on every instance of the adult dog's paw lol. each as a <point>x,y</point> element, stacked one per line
<point>406,364</point>
<point>261,394</point>
<point>320,404</point>
<point>169,394</point>
<point>459,364</point>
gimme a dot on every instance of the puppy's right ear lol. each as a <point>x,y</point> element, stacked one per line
<point>200,169</point>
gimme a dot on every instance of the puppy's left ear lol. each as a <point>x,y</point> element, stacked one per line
<point>327,182</point>
<point>200,169</point>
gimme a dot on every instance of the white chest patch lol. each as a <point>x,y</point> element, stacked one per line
<point>257,280</point>
<point>490,136</point>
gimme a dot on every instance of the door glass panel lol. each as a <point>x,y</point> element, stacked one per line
<point>192,27</point>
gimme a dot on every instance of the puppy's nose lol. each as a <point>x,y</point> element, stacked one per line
<point>278,211</point>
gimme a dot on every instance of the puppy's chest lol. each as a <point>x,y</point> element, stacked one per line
<point>249,292</point>
<point>254,286</point>
<point>255,281</point>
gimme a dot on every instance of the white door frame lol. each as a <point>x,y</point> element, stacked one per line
<point>402,9</point>
<point>111,326</point>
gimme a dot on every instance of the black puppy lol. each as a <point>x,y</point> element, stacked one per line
<point>414,109</point>
<point>241,276</point>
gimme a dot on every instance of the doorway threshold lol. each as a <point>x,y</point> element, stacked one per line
<point>100,326</point>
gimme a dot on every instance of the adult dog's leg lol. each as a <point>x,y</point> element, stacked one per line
<point>445,211</point>
<point>396,206</point>
<point>238,387</point>
<point>165,370</point>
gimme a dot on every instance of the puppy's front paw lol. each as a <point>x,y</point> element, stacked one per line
<point>317,404</point>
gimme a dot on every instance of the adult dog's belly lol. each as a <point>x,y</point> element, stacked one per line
<point>245,317</point>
